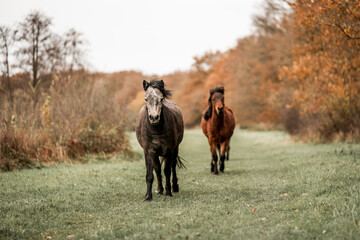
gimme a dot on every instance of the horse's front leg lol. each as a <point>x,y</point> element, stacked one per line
<point>149,159</point>
<point>223,148</point>
<point>157,166</point>
<point>214,159</point>
<point>167,171</point>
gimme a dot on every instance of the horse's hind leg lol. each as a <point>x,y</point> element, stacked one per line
<point>157,166</point>
<point>228,152</point>
<point>167,171</point>
<point>175,185</point>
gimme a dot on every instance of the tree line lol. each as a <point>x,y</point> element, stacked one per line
<point>299,71</point>
<point>31,47</point>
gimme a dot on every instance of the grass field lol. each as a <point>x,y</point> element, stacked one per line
<point>272,188</point>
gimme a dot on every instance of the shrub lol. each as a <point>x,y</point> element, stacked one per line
<point>74,117</point>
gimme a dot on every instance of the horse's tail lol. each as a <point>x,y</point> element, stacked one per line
<point>179,162</point>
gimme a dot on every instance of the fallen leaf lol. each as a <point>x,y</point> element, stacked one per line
<point>70,236</point>
<point>48,237</point>
<point>262,219</point>
<point>254,210</point>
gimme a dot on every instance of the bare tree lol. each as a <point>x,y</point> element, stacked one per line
<point>74,54</point>
<point>55,56</point>
<point>6,41</point>
<point>34,34</point>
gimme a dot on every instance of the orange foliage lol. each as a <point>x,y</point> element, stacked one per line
<point>325,73</point>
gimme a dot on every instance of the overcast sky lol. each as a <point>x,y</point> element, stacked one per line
<point>152,36</point>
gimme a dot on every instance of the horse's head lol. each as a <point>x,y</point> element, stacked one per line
<point>216,99</point>
<point>155,95</point>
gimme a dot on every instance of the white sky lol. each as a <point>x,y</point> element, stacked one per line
<point>152,36</point>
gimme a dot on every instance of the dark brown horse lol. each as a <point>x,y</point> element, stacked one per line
<point>218,125</point>
<point>159,130</point>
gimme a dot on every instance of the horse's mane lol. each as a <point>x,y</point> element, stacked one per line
<point>208,113</point>
<point>159,84</point>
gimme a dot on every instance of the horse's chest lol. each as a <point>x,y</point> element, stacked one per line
<point>161,145</point>
<point>218,134</point>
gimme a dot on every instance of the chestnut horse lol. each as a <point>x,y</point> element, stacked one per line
<point>218,125</point>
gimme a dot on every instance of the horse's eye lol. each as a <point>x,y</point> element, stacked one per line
<point>162,99</point>
<point>145,99</point>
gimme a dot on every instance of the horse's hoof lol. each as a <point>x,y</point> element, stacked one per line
<point>212,168</point>
<point>176,188</point>
<point>168,194</point>
<point>216,172</point>
<point>148,198</point>
<point>160,190</point>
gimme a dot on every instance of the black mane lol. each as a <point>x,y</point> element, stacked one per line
<point>159,84</point>
<point>208,113</point>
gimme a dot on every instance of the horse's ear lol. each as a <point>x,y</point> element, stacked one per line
<point>145,85</point>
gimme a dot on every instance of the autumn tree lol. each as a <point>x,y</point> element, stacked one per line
<point>6,42</point>
<point>34,35</point>
<point>194,90</point>
<point>325,72</point>
<point>74,54</point>
<point>55,54</point>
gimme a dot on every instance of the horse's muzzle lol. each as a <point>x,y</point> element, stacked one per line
<point>154,119</point>
<point>219,110</point>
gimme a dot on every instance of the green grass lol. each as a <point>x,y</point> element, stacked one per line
<point>272,188</point>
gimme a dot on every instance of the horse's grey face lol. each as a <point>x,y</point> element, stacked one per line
<point>154,102</point>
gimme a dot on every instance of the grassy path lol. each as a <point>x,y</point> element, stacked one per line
<point>272,188</point>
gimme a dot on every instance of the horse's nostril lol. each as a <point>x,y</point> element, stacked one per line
<point>220,108</point>
<point>154,118</point>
